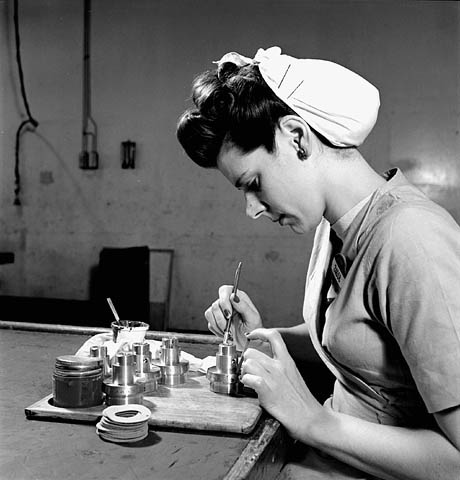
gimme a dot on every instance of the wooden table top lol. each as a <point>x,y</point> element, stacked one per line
<point>51,450</point>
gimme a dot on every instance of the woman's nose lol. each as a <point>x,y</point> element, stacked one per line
<point>254,208</point>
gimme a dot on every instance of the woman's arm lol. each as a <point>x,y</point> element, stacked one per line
<point>298,343</point>
<point>388,452</point>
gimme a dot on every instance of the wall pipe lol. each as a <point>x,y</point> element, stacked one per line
<point>89,158</point>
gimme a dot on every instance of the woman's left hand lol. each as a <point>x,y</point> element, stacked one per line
<point>279,385</point>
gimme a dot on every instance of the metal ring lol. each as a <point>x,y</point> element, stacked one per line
<point>113,412</point>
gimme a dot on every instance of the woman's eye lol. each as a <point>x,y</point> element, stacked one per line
<point>254,185</point>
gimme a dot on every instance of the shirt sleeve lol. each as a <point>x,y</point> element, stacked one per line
<point>417,272</point>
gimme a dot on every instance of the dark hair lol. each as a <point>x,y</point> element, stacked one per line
<point>234,105</point>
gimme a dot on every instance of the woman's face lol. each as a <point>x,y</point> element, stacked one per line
<point>276,185</point>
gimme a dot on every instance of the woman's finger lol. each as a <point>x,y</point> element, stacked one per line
<point>275,339</point>
<point>224,299</point>
<point>213,330</point>
<point>260,357</point>
<point>219,318</point>
<point>253,381</point>
<point>241,302</point>
<point>210,320</point>
<point>215,319</point>
<point>254,367</point>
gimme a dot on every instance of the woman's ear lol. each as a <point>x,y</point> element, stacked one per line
<point>299,135</point>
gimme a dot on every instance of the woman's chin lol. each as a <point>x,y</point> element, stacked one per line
<point>297,229</point>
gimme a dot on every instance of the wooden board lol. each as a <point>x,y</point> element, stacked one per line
<point>191,406</point>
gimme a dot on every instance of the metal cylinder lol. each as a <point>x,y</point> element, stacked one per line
<point>126,386</point>
<point>226,358</point>
<point>77,382</point>
<point>123,369</point>
<point>142,357</point>
<point>172,375</point>
<point>101,352</point>
<point>170,351</point>
<point>149,381</point>
<point>123,394</point>
<point>173,370</point>
<point>223,378</point>
<point>145,374</point>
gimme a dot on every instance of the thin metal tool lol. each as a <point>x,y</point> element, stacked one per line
<point>234,292</point>
<point>115,314</point>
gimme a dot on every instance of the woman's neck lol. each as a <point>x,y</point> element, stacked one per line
<point>350,179</point>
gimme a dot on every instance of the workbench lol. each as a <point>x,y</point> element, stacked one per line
<point>57,450</point>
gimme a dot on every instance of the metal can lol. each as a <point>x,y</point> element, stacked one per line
<point>77,381</point>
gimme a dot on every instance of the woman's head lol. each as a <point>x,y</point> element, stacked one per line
<point>242,101</point>
<point>273,124</point>
<point>233,105</point>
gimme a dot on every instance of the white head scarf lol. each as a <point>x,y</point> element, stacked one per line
<point>336,102</point>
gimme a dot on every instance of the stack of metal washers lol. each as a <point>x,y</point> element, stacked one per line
<point>173,369</point>
<point>124,423</point>
<point>77,381</point>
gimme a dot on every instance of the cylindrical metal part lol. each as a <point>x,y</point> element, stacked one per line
<point>226,359</point>
<point>101,352</point>
<point>227,349</point>
<point>125,358</point>
<point>123,369</point>
<point>141,348</point>
<point>173,370</point>
<point>219,382</point>
<point>77,392</point>
<point>77,382</point>
<point>172,375</point>
<point>170,342</point>
<point>123,394</point>
<point>94,351</point>
<point>170,351</point>
<point>149,380</point>
<point>223,378</point>
<point>75,362</point>
<point>142,357</point>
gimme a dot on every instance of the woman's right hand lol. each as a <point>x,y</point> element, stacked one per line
<point>245,319</point>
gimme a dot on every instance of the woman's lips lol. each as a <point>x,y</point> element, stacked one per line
<point>282,220</point>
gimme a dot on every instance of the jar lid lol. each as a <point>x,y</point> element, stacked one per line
<point>66,373</point>
<point>75,362</point>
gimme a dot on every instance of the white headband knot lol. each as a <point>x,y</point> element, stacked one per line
<point>336,102</point>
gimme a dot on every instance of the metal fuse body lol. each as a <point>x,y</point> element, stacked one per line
<point>173,369</point>
<point>122,388</point>
<point>145,373</point>
<point>223,378</point>
<point>101,352</point>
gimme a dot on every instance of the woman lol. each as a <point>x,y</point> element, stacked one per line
<point>381,301</point>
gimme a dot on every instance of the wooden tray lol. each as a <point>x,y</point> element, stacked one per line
<point>191,406</point>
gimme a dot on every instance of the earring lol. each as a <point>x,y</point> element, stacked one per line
<point>302,154</point>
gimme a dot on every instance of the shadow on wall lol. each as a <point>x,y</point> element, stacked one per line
<point>123,276</point>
